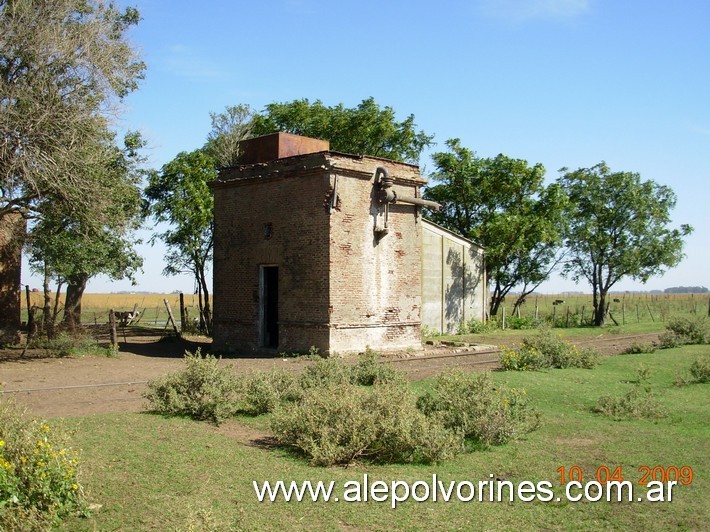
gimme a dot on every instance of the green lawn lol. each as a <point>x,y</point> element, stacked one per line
<point>151,472</point>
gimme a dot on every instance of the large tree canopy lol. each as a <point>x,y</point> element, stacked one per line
<point>502,204</point>
<point>367,129</point>
<point>178,195</point>
<point>64,65</point>
<point>73,249</point>
<point>618,226</point>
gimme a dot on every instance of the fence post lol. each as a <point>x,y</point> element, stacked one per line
<point>112,324</point>
<point>567,323</point>
<point>554,316</point>
<point>182,311</point>
<point>537,309</point>
<point>582,319</point>
<point>503,317</point>
<point>623,312</point>
<point>650,313</point>
<point>170,316</point>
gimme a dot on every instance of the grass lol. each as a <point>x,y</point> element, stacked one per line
<point>172,473</point>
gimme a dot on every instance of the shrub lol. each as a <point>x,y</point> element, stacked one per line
<point>341,424</point>
<point>262,391</point>
<point>369,370</point>
<point>545,350</point>
<point>638,348</point>
<point>682,331</point>
<point>522,323</point>
<point>66,344</point>
<point>202,390</point>
<point>639,402</point>
<point>325,372</point>
<point>700,369</point>
<point>481,410</point>
<point>39,474</point>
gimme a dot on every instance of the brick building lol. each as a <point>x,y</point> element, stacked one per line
<point>316,248</point>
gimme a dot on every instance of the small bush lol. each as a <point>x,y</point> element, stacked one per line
<point>638,348</point>
<point>369,370</point>
<point>683,331</point>
<point>39,474</point>
<point>640,402</point>
<point>545,350</point>
<point>522,323</point>
<point>700,369</point>
<point>341,424</point>
<point>262,391</point>
<point>481,410</point>
<point>202,390</point>
<point>325,372</point>
<point>66,344</point>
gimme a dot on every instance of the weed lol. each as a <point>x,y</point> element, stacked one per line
<point>39,474</point>
<point>345,423</point>
<point>683,331</point>
<point>638,348</point>
<point>545,350</point>
<point>482,411</point>
<point>640,402</point>
<point>202,390</point>
<point>369,370</point>
<point>262,391</point>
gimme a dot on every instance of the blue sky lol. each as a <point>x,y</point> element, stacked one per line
<point>567,83</point>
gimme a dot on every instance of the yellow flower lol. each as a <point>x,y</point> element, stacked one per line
<point>2,443</point>
<point>44,428</point>
<point>74,487</point>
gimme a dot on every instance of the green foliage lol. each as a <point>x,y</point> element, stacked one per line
<point>367,129</point>
<point>369,370</point>
<point>66,64</point>
<point>502,204</point>
<point>39,474</point>
<point>637,348</point>
<point>202,390</point>
<point>178,196</point>
<point>546,350</point>
<point>73,344</point>
<point>617,227</point>
<point>683,331</point>
<point>481,410</point>
<point>341,424</point>
<point>325,372</point>
<point>640,402</point>
<point>262,391</point>
<point>700,369</point>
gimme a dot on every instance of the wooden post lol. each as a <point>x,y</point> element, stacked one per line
<point>172,320</point>
<point>623,312</point>
<point>29,304</point>
<point>650,313</point>
<point>582,319</point>
<point>638,314</point>
<point>503,317</point>
<point>554,315</point>
<point>537,310</point>
<point>112,325</point>
<point>709,307</point>
<point>183,319</point>
<point>567,322</point>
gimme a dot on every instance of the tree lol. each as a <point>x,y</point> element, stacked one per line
<point>618,227</point>
<point>228,130</point>
<point>64,66</point>
<point>366,129</point>
<point>73,249</point>
<point>179,196</point>
<point>502,204</point>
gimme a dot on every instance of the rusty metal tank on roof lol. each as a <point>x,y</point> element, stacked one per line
<point>277,146</point>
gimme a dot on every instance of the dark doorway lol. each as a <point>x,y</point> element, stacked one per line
<point>269,306</point>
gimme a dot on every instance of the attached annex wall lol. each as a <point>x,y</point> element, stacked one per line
<point>453,280</point>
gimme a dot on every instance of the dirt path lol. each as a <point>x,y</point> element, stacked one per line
<point>61,387</point>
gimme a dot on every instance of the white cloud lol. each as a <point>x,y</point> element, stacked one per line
<point>524,10</point>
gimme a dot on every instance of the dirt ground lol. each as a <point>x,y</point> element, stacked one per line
<point>73,386</point>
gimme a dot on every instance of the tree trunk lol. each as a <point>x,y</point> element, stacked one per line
<point>72,304</point>
<point>47,310</point>
<point>600,309</point>
<point>206,307</point>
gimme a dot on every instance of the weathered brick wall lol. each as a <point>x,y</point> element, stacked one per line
<point>12,232</point>
<point>340,287</point>
<point>375,282</point>
<point>291,200</point>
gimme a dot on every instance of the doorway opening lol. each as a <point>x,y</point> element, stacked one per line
<point>269,312</point>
